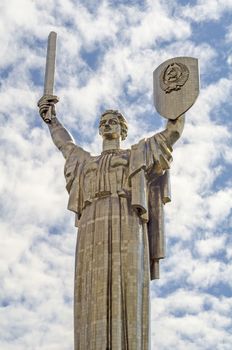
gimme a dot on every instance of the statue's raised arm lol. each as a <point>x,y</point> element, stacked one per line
<point>61,137</point>
<point>174,129</point>
<point>74,155</point>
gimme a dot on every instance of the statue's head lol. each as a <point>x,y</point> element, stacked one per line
<point>113,125</point>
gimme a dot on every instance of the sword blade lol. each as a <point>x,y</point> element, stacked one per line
<point>50,64</point>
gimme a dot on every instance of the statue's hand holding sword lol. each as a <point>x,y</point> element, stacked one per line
<point>47,102</point>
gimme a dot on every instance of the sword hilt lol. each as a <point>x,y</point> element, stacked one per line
<point>47,116</point>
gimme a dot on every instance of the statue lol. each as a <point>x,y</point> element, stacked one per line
<point>118,199</point>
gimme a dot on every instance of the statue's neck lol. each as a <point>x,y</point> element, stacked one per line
<point>110,144</point>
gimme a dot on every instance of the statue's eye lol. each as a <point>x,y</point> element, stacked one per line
<point>113,122</point>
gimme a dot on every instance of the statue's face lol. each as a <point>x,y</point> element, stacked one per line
<point>110,127</point>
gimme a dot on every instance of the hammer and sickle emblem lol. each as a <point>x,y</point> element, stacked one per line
<point>173,77</point>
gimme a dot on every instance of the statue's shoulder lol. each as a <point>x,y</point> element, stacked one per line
<point>75,153</point>
<point>139,145</point>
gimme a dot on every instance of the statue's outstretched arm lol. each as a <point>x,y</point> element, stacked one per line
<point>174,129</point>
<point>60,136</point>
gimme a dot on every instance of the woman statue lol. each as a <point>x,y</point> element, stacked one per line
<point>118,200</point>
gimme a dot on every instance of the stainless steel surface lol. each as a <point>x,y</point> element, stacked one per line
<point>176,86</point>
<point>50,71</point>
<point>118,198</point>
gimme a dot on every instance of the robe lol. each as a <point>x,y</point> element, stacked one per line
<point>118,200</point>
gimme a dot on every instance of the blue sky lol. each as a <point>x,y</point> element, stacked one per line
<point>107,51</point>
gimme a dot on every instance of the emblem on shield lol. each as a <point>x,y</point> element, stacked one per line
<point>174,77</point>
<point>176,86</point>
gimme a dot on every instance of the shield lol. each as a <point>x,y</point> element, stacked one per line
<point>176,86</point>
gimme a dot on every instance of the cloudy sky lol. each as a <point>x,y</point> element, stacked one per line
<point>107,51</point>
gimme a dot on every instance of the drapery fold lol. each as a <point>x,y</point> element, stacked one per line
<point>148,182</point>
<point>150,186</point>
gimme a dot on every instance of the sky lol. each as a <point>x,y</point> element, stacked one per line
<point>106,53</point>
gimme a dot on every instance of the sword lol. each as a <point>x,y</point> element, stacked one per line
<point>50,72</point>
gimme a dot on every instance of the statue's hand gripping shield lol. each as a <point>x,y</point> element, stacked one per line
<point>176,86</point>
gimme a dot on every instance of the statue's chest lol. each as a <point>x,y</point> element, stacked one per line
<point>106,173</point>
<point>106,163</point>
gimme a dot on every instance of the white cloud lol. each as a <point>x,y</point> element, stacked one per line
<point>210,246</point>
<point>206,10</point>
<point>197,328</point>
<point>37,233</point>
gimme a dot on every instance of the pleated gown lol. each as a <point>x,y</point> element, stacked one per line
<point>111,294</point>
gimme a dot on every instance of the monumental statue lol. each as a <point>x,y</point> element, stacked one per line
<point>118,198</point>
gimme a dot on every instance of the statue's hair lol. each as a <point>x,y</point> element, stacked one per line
<point>122,121</point>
